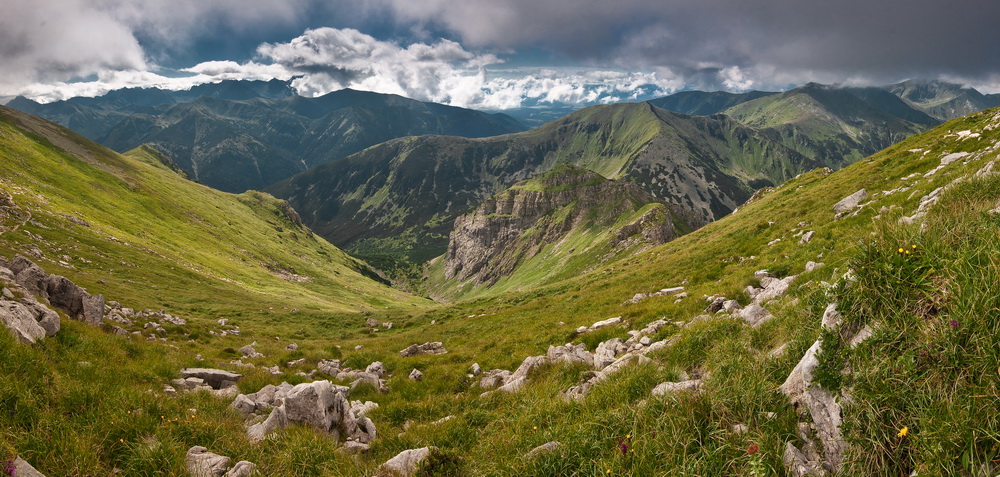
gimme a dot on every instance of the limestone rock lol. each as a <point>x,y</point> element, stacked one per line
<point>850,202</point>
<point>376,368</point>
<point>405,463</point>
<point>810,266</point>
<point>773,288</point>
<point>607,352</point>
<point>216,378</point>
<point>545,448</point>
<point>23,469</point>
<point>475,369</point>
<point>807,237</point>
<point>353,447</point>
<point>755,315</point>
<point>494,378</point>
<point>249,352</point>
<point>600,324</point>
<point>242,469</point>
<point>433,347</point>
<point>570,354</point>
<point>20,322</point>
<point>202,463</point>
<point>663,389</point>
<point>275,422</point>
<point>416,375</point>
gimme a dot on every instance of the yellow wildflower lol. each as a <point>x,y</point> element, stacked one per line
<point>914,247</point>
<point>903,432</point>
<point>535,428</point>
<point>900,249</point>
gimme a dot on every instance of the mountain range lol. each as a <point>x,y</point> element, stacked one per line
<point>236,136</point>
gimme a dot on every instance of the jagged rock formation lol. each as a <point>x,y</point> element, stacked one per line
<point>517,224</point>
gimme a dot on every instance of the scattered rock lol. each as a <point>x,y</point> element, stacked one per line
<point>545,448</point>
<point>598,325</point>
<point>372,322</point>
<point>406,463</point>
<point>319,404</point>
<point>663,292</point>
<point>242,469</point>
<point>850,202</point>
<point>755,315</point>
<point>569,353</point>
<point>416,375</point>
<point>202,463</point>
<point>475,369</point>
<point>292,347</point>
<point>353,447</point>
<point>807,237</point>
<point>23,469</point>
<point>494,378</point>
<point>20,322</point>
<point>249,352</point>
<point>810,266</point>
<point>376,368</point>
<point>216,378</point>
<point>434,347</point>
<point>607,352</point>
<point>663,389</point>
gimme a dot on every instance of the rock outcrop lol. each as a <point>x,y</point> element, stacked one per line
<point>433,347</point>
<point>406,463</point>
<point>319,404</point>
<point>515,225</point>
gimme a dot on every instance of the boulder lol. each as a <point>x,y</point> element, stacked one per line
<point>850,202</point>
<point>406,463</point>
<point>376,368</point>
<point>46,318</point>
<point>494,378</point>
<point>570,354</point>
<point>216,378</point>
<point>23,469</point>
<point>202,463</point>
<point>607,352</point>
<point>324,406</point>
<point>433,347</point>
<point>20,322</point>
<point>31,277</point>
<point>276,421</point>
<point>249,352</point>
<point>755,315</point>
<point>416,375</point>
<point>773,288</point>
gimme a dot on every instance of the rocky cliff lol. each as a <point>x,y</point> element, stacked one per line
<point>568,210</point>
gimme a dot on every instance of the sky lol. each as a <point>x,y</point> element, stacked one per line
<point>491,54</point>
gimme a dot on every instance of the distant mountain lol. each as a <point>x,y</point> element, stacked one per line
<point>941,99</point>
<point>834,125</point>
<point>703,103</point>
<point>400,197</point>
<point>239,135</point>
<point>554,226</point>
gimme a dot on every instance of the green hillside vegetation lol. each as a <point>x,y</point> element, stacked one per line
<point>929,366</point>
<point>836,126</point>
<point>399,198</point>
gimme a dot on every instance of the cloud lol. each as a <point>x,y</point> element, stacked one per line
<point>882,41</point>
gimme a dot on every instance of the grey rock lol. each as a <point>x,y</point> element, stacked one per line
<point>276,421</point>
<point>20,322</point>
<point>242,469</point>
<point>831,317</point>
<point>570,354</point>
<point>23,469</point>
<point>475,369</point>
<point>850,202</point>
<point>376,368</point>
<point>249,352</point>
<point>433,347</point>
<point>416,375</point>
<point>731,306</point>
<point>406,463</point>
<point>494,378</point>
<point>716,304</point>
<point>202,463</point>
<point>663,389</point>
<point>807,237</point>
<point>372,322</point>
<point>353,447</point>
<point>323,406</point>
<point>46,318</point>
<point>292,347</point>
<point>820,404</point>
<point>329,366</point>
<point>773,288</point>
<point>755,315</point>
<point>545,448</point>
<point>216,378</point>
<point>799,465</point>
<point>810,266</point>
<point>607,352</point>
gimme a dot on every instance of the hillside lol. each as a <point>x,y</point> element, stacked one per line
<point>139,227</point>
<point>941,99</point>
<point>836,126</point>
<point>551,227</point>
<point>236,136</point>
<point>671,388</point>
<point>399,198</point>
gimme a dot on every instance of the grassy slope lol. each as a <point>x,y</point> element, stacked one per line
<point>680,435</point>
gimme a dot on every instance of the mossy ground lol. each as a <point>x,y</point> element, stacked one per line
<point>72,419</point>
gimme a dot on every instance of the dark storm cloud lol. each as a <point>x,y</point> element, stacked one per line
<point>877,39</point>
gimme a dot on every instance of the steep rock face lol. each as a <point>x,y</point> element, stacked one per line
<point>517,224</point>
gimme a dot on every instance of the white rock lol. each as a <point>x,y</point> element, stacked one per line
<point>405,463</point>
